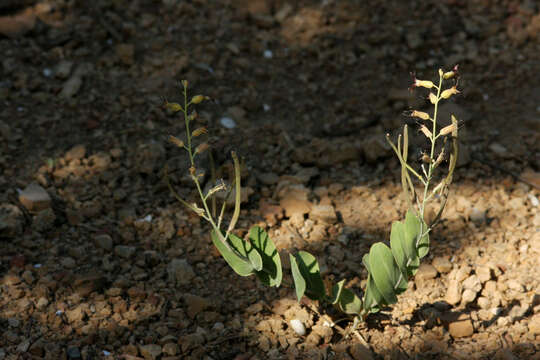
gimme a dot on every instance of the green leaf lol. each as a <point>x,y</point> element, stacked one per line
<point>237,263</point>
<point>385,271</point>
<point>336,292</point>
<point>309,268</point>
<point>349,303</point>
<point>272,273</point>
<point>299,282</point>
<point>398,246</point>
<point>246,249</point>
<point>373,300</point>
<point>412,229</point>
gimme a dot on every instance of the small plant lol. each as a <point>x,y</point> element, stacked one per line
<point>389,267</point>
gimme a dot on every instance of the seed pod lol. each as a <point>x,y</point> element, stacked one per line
<point>176,141</point>
<point>439,159</point>
<point>426,158</point>
<point>448,75</point>
<point>447,129</point>
<point>201,148</point>
<point>192,170</point>
<point>426,131</point>
<point>420,114</point>
<point>197,99</point>
<point>440,72</point>
<point>185,83</point>
<point>197,209</point>
<point>199,131</point>
<point>423,83</point>
<point>432,98</point>
<point>173,106</point>
<point>449,92</point>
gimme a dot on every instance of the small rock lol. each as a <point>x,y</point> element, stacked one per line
<point>23,346</point>
<point>42,303</point>
<point>195,304</point>
<point>298,327</point>
<point>44,220</point>
<point>150,351</point>
<point>75,314</point>
<point>104,241</point>
<point>13,322</point>
<point>483,273</point>
<point>426,271</point>
<point>180,272</point>
<point>472,283</point>
<point>323,213</point>
<point>453,293</point>
<point>71,86</point>
<point>461,327</point>
<point>478,216</point>
<point>515,285</point>
<point>227,122</point>
<point>442,264</point>
<point>499,150</point>
<point>504,354</point>
<point>468,296</point>
<point>483,302</point>
<point>534,324</point>
<point>35,198</point>
<point>124,251</point>
<point>171,349</point>
<point>75,153</point>
<point>63,69</point>
<point>360,352</point>
<point>463,273</point>
<point>11,221</point>
<point>11,279</point>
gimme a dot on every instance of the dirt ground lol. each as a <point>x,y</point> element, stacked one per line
<point>99,261</point>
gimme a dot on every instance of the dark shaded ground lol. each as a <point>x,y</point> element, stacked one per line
<point>113,266</point>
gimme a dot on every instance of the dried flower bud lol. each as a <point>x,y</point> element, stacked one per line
<point>449,92</point>
<point>426,158</point>
<point>193,116</point>
<point>201,148</point>
<point>423,83</point>
<point>447,129</point>
<point>176,141</point>
<point>420,114</point>
<point>433,98</point>
<point>192,170</point>
<point>197,209</point>
<point>199,131</point>
<point>173,106</point>
<point>448,75</point>
<point>426,131</point>
<point>439,159</point>
<point>218,187</point>
<point>185,83</point>
<point>197,99</point>
<point>440,72</point>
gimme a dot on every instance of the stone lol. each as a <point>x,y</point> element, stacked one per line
<point>461,327</point>
<point>472,283</point>
<point>442,264</point>
<point>360,352</point>
<point>323,213</point>
<point>478,216</point>
<point>170,349</point>
<point>534,324</point>
<point>483,273</point>
<point>63,69</point>
<point>499,150</point>
<point>74,315</point>
<point>104,241</point>
<point>483,302</point>
<point>44,220</point>
<point>11,279</point>
<point>195,304</point>
<point>426,271</point>
<point>268,178</point>
<point>68,262</point>
<point>73,352</point>
<point>180,272</point>
<point>150,351</point>
<point>295,206</point>
<point>298,327</point>
<point>75,153</point>
<point>468,296</point>
<point>72,86</point>
<point>124,251</point>
<point>35,198</point>
<point>453,292</point>
<point>11,221</point>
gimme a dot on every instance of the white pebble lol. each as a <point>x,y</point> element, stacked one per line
<point>106,353</point>
<point>266,107</point>
<point>37,266</point>
<point>534,200</point>
<point>47,72</point>
<point>268,54</point>
<point>227,122</point>
<point>298,327</point>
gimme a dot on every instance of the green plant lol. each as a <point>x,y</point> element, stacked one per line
<point>389,267</point>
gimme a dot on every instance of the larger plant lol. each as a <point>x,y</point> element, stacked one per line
<point>389,267</point>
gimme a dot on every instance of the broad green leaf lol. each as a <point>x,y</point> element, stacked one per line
<point>349,303</point>
<point>398,245</point>
<point>237,263</point>
<point>272,273</point>
<point>299,281</point>
<point>336,291</point>
<point>309,268</point>
<point>385,271</point>
<point>246,249</point>
<point>412,228</point>
<point>373,299</point>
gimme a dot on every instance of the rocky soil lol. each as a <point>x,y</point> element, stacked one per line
<point>99,261</point>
